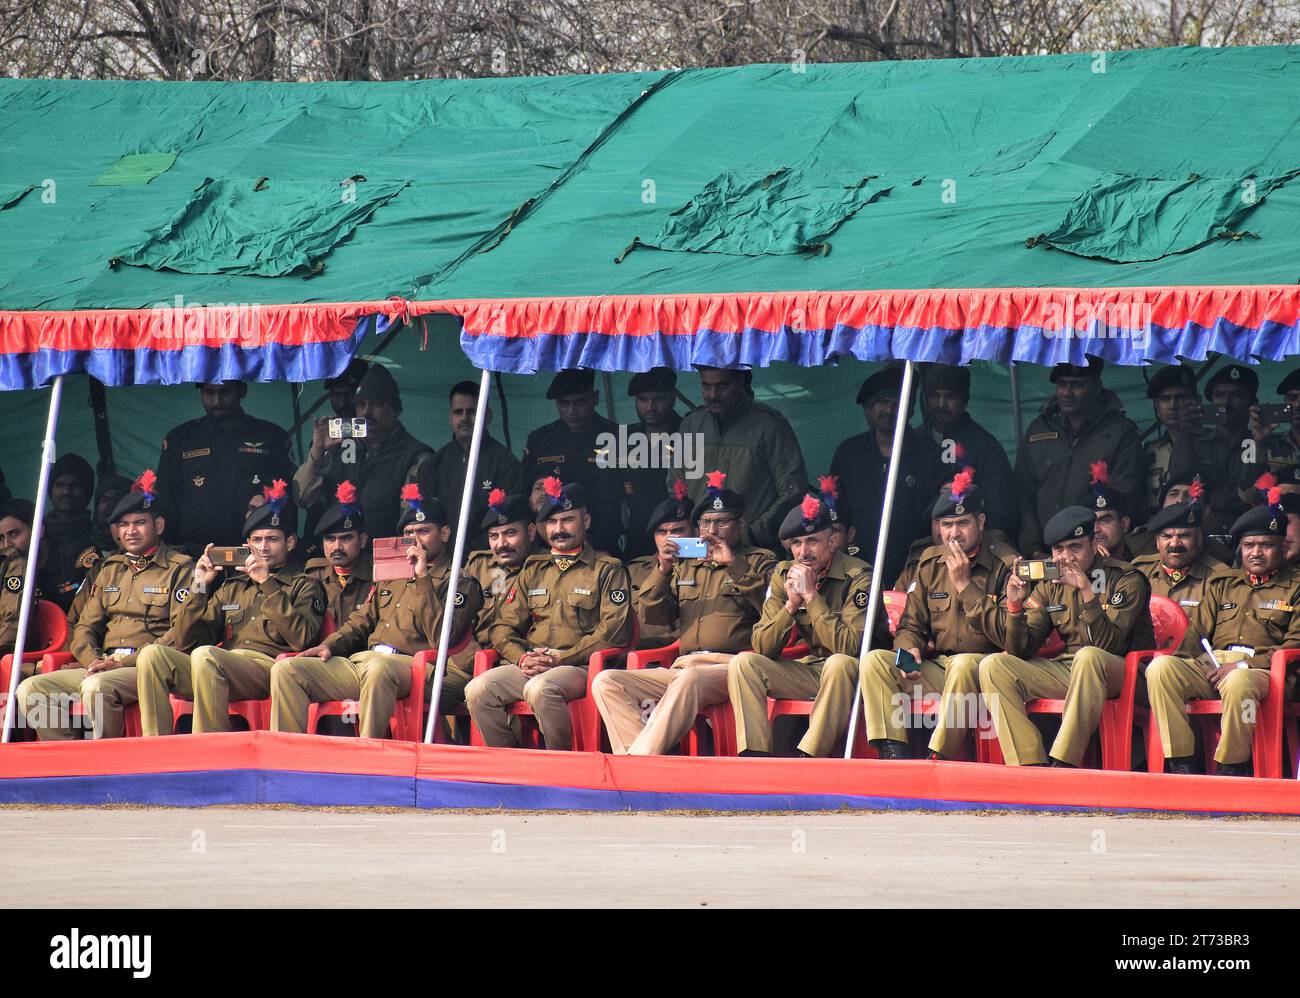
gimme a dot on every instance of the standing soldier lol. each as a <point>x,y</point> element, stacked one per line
<point>752,443</point>
<point>341,570</point>
<point>512,538</point>
<point>211,466</point>
<point>713,603</point>
<point>261,610</point>
<point>654,393</point>
<point>1182,446</point>
<point>134,604</point>
<point>819,597</point>
<point>69,530</point>
<point>566,604</point>
<point>948,624</point>
<point>1101,609</point>
<point>444,476</point>
<point>368,659</point>
<point>1232,392</point>
<point>1277,450</point>
<point>1245,615</point>
<point>568,448</point>
<point>1179,568</point>
<point>1082,423</point>
<point>669,520</point>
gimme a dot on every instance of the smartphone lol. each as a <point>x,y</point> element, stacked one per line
<point>690,547</point>
<point>345,429</point>
<point>390,559</point>
<point>227,557</point>
<point>906,661</point>
<point>1271,414</point>
<point>1038,571</point>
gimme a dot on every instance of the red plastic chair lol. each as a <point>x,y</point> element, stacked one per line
<point>47,634</point>
<point>1266,751</point>
<point>1115,729</point>
<point>54,661</point>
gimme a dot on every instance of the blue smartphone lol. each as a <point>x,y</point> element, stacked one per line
<point>690,547</point>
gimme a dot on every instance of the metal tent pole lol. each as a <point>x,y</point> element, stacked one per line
<point>1015,404</point>
<point>33,554</point>
<point>458,551</point>
<point>877,579</point>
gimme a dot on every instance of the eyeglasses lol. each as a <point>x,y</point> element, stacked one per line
<point>711,522</point>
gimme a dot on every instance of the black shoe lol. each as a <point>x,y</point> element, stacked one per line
<point>801,754</point>
<point>887,748</point>
<point>750,753</point>
<point>1054,763</point>
<point>934,756</point>
<point>1235,769</point>
<point>1182,766</point>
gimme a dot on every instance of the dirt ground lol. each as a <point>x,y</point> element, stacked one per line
<point>254,857</point>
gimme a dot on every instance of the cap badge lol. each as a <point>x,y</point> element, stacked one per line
<point>959,509</point>
<point>717,503</point>
<point>1078,531</point>
<point>419,517</point>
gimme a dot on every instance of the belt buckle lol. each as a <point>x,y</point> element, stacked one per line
<point>384,649</point>
<point>121,653</point>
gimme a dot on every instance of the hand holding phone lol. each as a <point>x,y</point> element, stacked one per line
<point>690,547</point>
<point>907,662</point>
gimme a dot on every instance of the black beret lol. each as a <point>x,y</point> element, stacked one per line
<point>809,517</point>
<point>886,381</point>
<point>341,517</point>
<point>379,385</point>
<point>1261,520</point>
<point>1092,370</point>
<point>1180,514</point>
<point>1290,383</point>
<point>720,501</point>
<point>1178,478</point>
<point>511,509</point>
<point>1069,524</point>
<point>970,502</point>
<point>138,500</point>
<point>1104,498</point>
<point>953,379</point>
<point>668,511</point>
<point>569,495</point>
<point>1233,374</point>
<point>352,374</point>
<point>273,516</point>
<point>657,379</point>
<point>421,511</point>
<point>76,466</point>
<point>842,514</point>
<point>571,381</point>
<point>1173,376</point>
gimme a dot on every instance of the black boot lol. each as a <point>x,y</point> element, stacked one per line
<point>1055,763</point>
<point>887,748</point>
<point>1184,765</point>
<point>935,756</point>
<point>1235,769</point>
<point>754,754</point>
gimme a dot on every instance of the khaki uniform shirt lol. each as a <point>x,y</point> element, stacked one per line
<point>576,604</point>
<point>343,594</point>
<point>1185,587</point>
<point>1117,621</point>
<point>955,621</point>
<point>13,572</point>
<point>133,602</point>
<point>1259,615</point>
<point>830,622</point>
<point>660,632</point>
<point>282,614</point>
<point>406,614</point>
<point>713,607</point>
<point>494,583</point>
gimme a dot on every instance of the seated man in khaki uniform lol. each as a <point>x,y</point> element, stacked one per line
<point>565,604</point>
<point>819,597</point>
<point>512,538</point>
<point>1245,615</point>
<point>368,659</point>
<point>712,602</point>
<point>1179,567</point>
<point>134,604</point>
<point>1102,610</point>
<point>263,608</point>
<point>669,520</point>
<point>950,613</point>
<point>342,570</point>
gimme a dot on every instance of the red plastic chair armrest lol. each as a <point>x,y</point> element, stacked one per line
<point>646,658</point>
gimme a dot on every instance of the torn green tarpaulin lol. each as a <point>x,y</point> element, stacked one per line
<point>787,211</point>
<point>1134,219</point>
<point>11,197</point>
<point>260,226</point>
<point>130,171</point>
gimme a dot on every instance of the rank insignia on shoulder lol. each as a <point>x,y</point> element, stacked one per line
<point>618,596</point>
<point>860,599</point>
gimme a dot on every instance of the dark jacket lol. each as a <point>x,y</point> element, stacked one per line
<point>444,477</point>
<point>985,455</point>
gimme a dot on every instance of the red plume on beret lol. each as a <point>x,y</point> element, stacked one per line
<point>1265,481</point>
<point>1274,496</point>
<point>277,490</point>
<point>411,493</point>
<point>829,485</point>
<point>809,508</point>
<point>496,497</point>
<point>716,478</point>
<point>680,491</point>
<point>1197,490</point>
<point>346,494</point>
<point>146,482</point>
<point>553,487</point>
<point>962,482</point>
<point>1100,473</point>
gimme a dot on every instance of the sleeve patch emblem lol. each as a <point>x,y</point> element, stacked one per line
<point>618,596</point>
<point>860,599</point>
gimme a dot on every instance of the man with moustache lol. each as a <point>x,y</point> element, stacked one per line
<point>1179,569</point>
<point>368,659</point>
<point>667,521</point>
<point>948,624</point>
<point>712,603</point>
<point>1245,614</point>
<point>818,597</point>
<point>1178,489</point>
<point>341,570</point>
<point>1101,609</point>
<point>565,604</point>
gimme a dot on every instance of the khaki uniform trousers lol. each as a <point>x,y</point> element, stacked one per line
<point>376,680</point>
<point>1171,682</point>
<point>548,694</point>
<point>961,708</point>
<point>1086,682</point>
<point>752,678</point>
<point>45,701</point>
<point>209,676</point>
<point>681,692</point>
